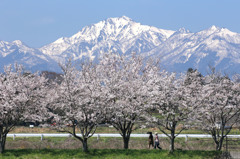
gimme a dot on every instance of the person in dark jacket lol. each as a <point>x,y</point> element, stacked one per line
<point>150,140</point>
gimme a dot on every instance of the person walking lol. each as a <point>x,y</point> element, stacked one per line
<point>150,140</point>
<point>156,141</point>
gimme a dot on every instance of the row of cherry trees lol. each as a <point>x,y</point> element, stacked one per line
<point>126,92</point>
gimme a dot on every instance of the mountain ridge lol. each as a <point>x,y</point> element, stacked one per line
<point>111,34</point>
<point>178,50</point>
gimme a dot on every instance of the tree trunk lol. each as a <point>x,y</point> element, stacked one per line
<point>85,145</point>
<point>126,141</point>
<point>172,138</point>
<point>219,144</point>
<point>2,142</point>
<point>1,148</point>
<point>172,143</point>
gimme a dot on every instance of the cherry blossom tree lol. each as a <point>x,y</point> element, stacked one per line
<point>236,78</point>
<point>169,103</point>
<point>218,108</point>
<point>21,99</point>
<point>76,102</point>
<point>124,81</point>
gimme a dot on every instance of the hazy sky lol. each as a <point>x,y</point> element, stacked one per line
<point>39,22</point>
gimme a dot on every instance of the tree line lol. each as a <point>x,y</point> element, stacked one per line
<point>122,91</point>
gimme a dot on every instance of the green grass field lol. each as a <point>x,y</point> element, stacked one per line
<point>107,154</point>
<point>105,143</point>
<point>107,148</point>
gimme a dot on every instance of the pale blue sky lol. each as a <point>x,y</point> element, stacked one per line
<point>39,22</point>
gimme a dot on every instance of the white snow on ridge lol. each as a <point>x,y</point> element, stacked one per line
<point>120,31</point>
<point>178,50</point>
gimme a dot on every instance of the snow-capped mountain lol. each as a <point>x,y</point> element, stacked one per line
<point>121,35</point>
<point>177,50</point>
<point>217,47</point>
<point>32,59</point>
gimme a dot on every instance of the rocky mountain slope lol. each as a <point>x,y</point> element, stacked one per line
<point>121,35</point>
<point>217,47</point>
<point>32,59</point>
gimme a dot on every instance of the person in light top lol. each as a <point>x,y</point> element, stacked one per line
<point>156,141</point>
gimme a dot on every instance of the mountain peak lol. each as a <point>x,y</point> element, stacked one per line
<point>211,30</point>
<point>107,26</point>
<point>17,42</point>
<point>122,18</point>
<point>122,32</point>
<point>183,30</point>
<point>125,18</point>
<point>214,28</point>
<point>117,28</point>
<point>221,31</point>
<point>118,20</point>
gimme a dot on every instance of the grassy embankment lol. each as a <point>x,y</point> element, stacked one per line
<point>108,143</point>
<point>108,154</point>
